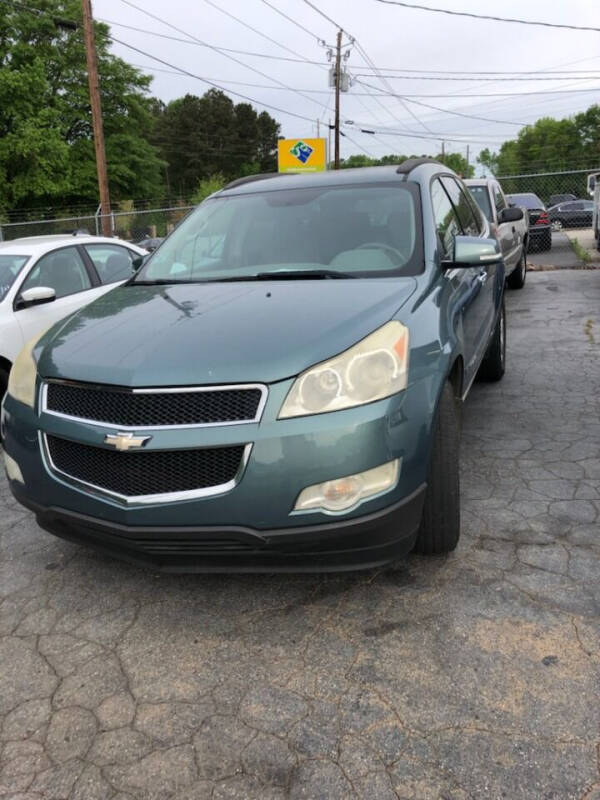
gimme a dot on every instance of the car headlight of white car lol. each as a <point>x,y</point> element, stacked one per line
<point>374,368</point>
<point>22,378</point>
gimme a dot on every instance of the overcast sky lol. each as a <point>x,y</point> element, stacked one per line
<point>394,38</point>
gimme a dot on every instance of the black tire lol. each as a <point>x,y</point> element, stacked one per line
<point>517,278</point>
<point>440,524</point>
<point>494,362</point>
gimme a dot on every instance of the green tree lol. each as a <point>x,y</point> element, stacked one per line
<point>46,147</point>
<point>458,163</point>
<point>203,136</point>
<point>207,187</point>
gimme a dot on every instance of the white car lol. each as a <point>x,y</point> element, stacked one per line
<point>45,278</point>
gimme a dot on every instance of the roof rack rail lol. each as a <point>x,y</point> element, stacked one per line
<point>262,176</point>
<point>410,163</point>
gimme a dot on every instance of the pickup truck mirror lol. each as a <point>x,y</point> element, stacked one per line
<point>472,251</point>
<point>512,214</point>
<point>35,296</point>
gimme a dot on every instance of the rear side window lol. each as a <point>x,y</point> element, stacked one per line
<point>482,198</point>
<point>446,219</point>
<point>113,263</point>
<point>467,215</point>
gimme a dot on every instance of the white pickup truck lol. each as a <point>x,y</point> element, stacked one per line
<point>509,224</point>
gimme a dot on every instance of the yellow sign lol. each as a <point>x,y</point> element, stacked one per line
<point>302,155</point>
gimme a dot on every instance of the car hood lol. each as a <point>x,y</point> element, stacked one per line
<point>217,332</point>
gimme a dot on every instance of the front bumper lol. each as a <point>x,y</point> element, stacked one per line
<point>251,527</point>
<point>359,543</point>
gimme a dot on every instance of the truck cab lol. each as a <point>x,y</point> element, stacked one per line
<point>509,225</point>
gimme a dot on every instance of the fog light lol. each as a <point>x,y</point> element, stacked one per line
<point>13,470</point>
<point>342,494</point>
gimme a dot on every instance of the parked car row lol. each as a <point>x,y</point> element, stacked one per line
<point>278,386</point>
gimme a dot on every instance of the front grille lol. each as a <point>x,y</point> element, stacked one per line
<point>146,472</point>
<point>136,409</point>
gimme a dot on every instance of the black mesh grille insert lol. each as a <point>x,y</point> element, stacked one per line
<point>153,409</point>
<point>146,471</point>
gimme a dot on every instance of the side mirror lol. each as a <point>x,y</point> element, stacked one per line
<point>512,214</point>
<point>139,262</point>
<point>36,296</point>
<point>471,251</point>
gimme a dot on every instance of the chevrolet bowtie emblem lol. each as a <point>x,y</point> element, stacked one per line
<point>126,441</point>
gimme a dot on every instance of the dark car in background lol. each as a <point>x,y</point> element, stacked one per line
<point>540,230</point>
<point>555,199</point>
<point>574,214</point>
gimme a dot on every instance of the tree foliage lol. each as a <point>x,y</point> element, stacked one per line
<point>549,146</point>
<point>46,145</point>
<point>204,136</point>
<point>454,161</point>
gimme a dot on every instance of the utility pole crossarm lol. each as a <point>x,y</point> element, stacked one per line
<point>94,83</point>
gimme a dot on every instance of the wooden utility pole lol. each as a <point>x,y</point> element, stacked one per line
<point>92,68</point>
<point>338,80</point>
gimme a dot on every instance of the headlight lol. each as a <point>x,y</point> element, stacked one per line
<point>21,381</point>
<point>376,367</point>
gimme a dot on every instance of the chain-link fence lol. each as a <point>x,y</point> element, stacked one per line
<point>550,187</point>
<point>130,225</point>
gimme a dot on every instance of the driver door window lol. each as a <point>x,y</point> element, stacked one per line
<point>446,220</point>
<point>62,270</point>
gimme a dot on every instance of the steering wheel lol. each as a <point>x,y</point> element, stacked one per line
<point>382,246</point>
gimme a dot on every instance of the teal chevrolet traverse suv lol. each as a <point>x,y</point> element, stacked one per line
<point>278,387</point>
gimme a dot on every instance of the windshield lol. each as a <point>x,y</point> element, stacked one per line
<point>481,196</point>
<point>10,266</point>
<point>357,231</point>
<point>526,200</point>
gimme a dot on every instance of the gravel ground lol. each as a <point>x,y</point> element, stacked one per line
<point>471,676</point>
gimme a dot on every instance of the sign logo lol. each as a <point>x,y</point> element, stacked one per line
<point>302,155</point>
<point>302,151</point>
<point>126,441</point>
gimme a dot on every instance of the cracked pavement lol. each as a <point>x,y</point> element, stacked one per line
<point>471,676</point>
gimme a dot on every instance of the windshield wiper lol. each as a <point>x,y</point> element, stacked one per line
<point>162,282</point>
<point>293,274</point>
<point>283,275</point>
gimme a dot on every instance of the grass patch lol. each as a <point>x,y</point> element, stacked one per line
<point>581,253</point>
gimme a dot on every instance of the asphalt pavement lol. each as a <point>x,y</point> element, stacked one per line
<point>560,256</point>
<point>475,675</point>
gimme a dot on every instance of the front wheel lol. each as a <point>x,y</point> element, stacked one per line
<point>516,279</point>
<point>557,225</point>
<point>440,524</point>
<point>493,364</point>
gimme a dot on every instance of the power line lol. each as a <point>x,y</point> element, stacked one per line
<point>254,30</point>
<point>487,17</point>
<point>216,49</point>
<point>210,46</point>
<point>215,85</point>
<point>447,111</point>
<point>290,19</point>
<point>466,78</point>
<point>324,15</point>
